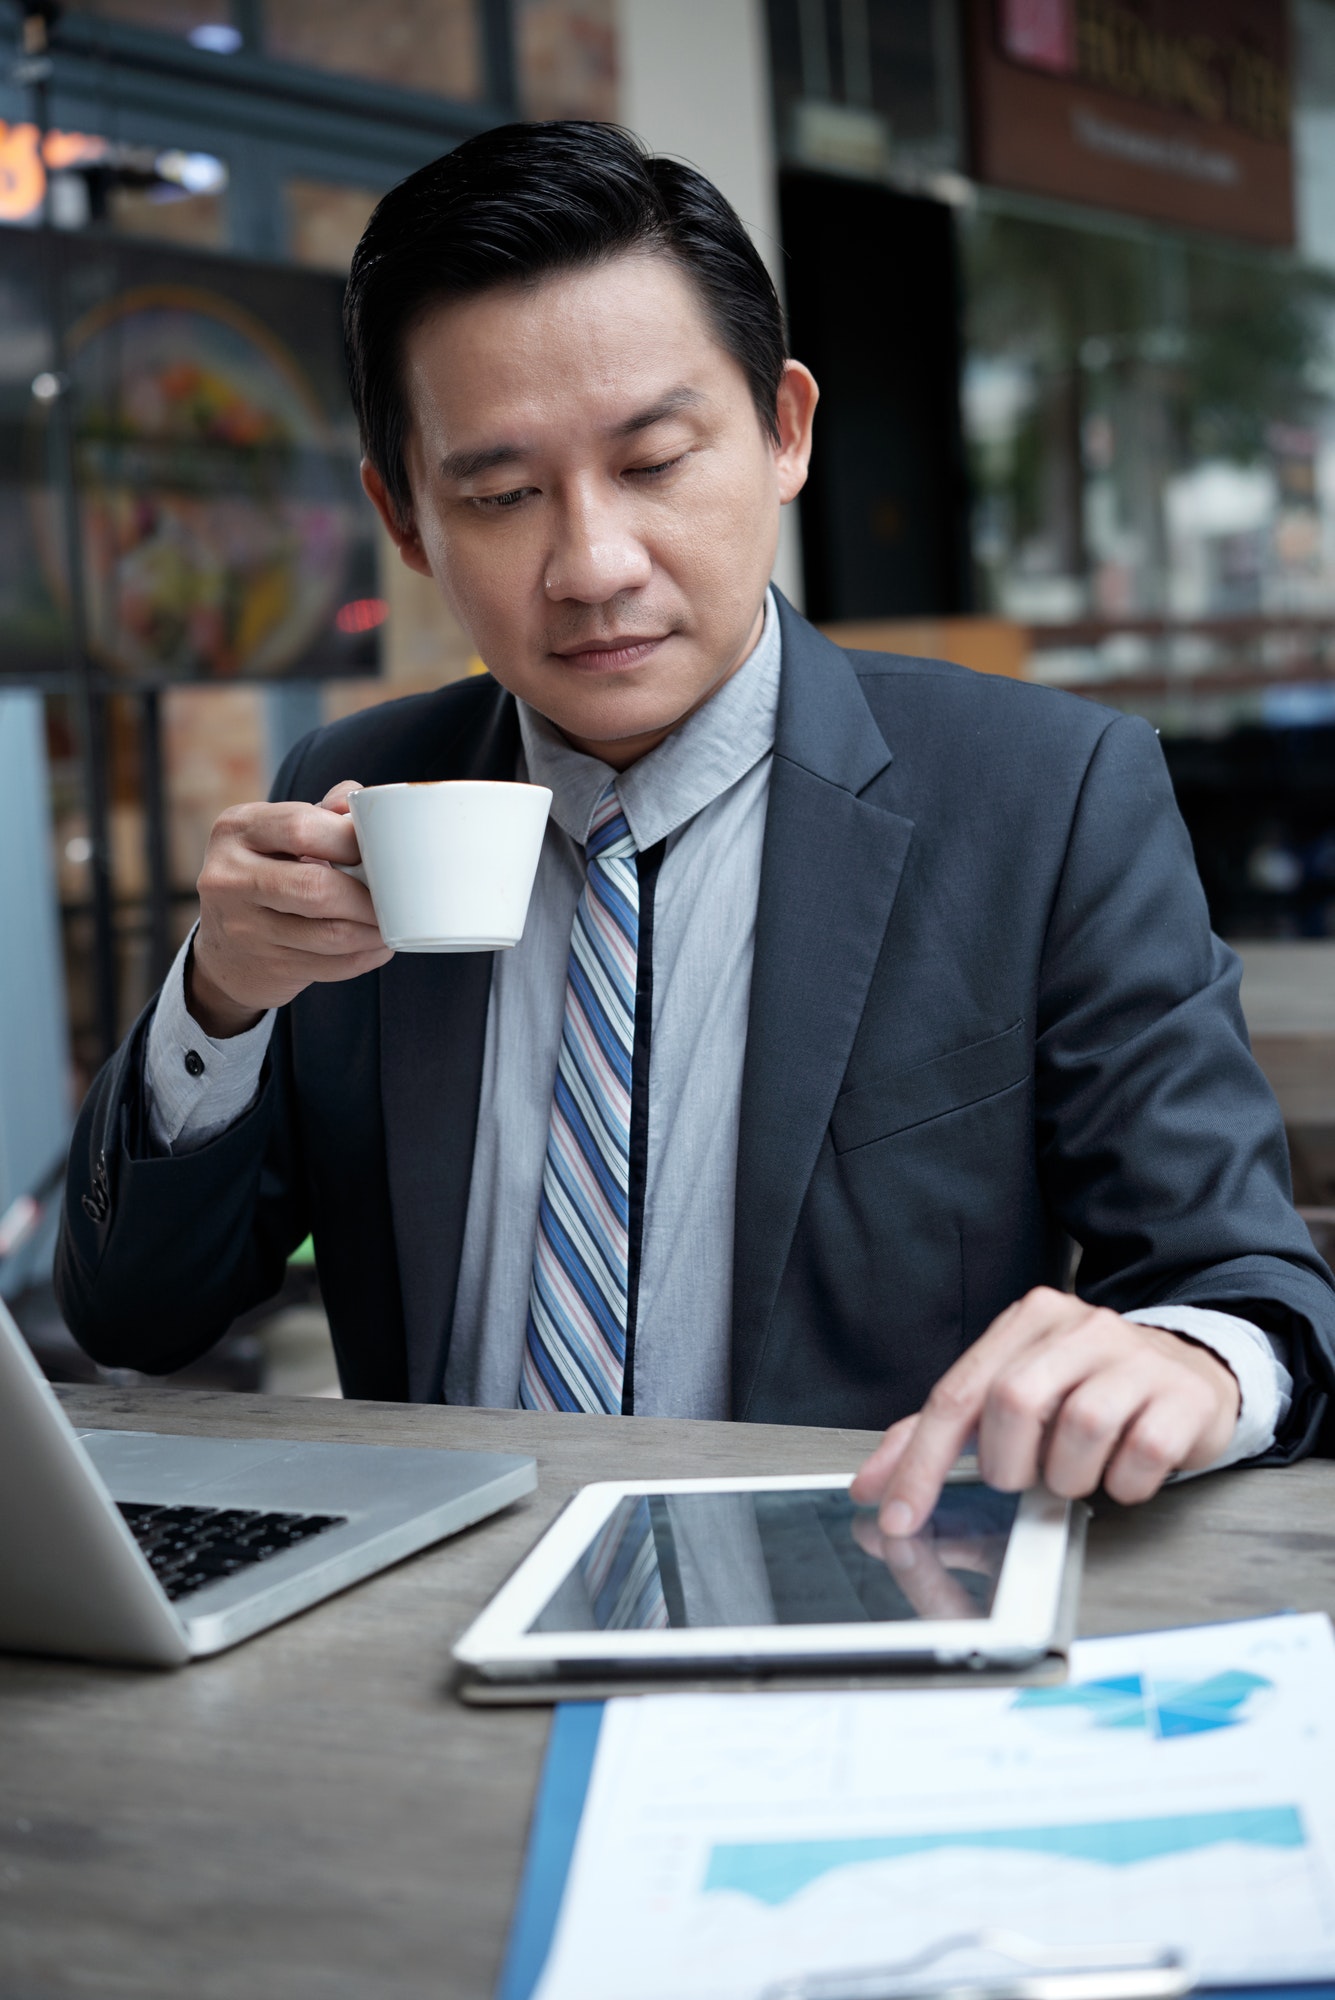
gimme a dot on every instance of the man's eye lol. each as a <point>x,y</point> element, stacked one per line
<point>494,500</point>
<point>654,471</point>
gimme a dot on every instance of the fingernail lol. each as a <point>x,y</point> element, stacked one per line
<point>896,1519</point>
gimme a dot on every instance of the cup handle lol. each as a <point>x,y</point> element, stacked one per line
<point>357,872</point>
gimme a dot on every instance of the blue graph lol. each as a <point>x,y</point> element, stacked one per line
<point>1160,1708</point>
<point>773,1871</point>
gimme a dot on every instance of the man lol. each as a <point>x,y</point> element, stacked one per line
<point>923,983</point>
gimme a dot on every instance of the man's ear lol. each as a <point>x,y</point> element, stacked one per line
<point>795,407</point>
<point>403,535</point>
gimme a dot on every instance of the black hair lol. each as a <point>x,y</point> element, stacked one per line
<point>519,203</point>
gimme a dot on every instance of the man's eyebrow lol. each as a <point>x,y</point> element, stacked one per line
<point>465,465</point>
<point>670,405</point>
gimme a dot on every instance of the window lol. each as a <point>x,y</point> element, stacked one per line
<point>325,220</point>
<point>431,45</point>
<point>190,19</point>
<point>1150,421</point>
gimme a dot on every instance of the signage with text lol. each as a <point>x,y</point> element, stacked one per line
<point>1173,109</point>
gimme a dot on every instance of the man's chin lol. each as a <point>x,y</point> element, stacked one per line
<point>619,737</point>
<point>614,713</point>
<point>620,745</point>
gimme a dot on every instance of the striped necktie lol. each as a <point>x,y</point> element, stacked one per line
<point>575,1339</point>
<point>622,1574</point>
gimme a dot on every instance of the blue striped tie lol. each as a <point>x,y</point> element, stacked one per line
<point>621,1572</point>
<point>575,1340</point>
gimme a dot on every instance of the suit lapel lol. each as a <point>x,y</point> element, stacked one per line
<point>433,1021</point>
<point>830,871</point>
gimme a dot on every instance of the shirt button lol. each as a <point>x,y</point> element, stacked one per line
<point>194,1063</point>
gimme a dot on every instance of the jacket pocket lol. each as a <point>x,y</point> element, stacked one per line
<point>947,1083</point>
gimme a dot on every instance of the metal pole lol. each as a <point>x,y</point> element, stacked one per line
<point>35,71</point>
<point>155,837</point>
<point>498,55</point>
<point>814,31</point>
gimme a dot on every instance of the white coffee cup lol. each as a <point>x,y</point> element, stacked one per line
<point>450,865</point>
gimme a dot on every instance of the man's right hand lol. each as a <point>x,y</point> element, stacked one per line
<point>275,914</point>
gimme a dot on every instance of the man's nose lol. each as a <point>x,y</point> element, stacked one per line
<point>597,553</point>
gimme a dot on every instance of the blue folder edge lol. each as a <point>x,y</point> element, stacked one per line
<point>571,1749</point>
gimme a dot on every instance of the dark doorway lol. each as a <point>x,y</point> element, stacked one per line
<point>1259,805</point>
<point>873,304</point>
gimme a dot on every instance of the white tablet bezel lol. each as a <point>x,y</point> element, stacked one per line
<point>1020,1629</point>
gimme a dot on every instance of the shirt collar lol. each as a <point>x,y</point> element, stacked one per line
<point>711,751</point>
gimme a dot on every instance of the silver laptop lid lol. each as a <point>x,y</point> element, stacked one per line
<point>72,1579</point>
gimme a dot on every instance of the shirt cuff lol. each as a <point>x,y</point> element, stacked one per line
<point>197,1087</point>
<point>1257,1359</point>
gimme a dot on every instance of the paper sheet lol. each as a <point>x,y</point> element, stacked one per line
<point>1179,1789</point>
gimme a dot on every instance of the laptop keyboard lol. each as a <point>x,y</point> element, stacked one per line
<point>188,1547</point>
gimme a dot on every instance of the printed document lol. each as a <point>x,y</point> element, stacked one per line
<point>1177,1790</point>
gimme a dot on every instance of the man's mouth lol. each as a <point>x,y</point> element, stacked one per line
<point>623,649</point>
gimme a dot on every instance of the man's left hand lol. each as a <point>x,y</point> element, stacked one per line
<point>1064,1392</point>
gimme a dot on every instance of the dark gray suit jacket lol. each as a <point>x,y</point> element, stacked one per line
<point>987,1017</point>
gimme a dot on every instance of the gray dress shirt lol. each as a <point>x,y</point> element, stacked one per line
<point>703,790</point>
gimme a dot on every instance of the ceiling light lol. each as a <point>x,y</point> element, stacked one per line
<point>197,173</point>
<point>220,38</point>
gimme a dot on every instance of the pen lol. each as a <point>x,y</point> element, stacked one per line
<point>1034,1972</point>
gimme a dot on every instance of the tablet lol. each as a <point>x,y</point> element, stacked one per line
<point>717,1575</point>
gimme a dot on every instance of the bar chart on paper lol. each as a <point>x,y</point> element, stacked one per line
<point>1180,1790</point>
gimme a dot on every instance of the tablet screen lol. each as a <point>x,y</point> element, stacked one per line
<point>664,1561</point>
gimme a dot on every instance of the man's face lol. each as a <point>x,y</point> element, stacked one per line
<point>594,494</point>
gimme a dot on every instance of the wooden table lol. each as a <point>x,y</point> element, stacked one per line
<point>315,1817</point>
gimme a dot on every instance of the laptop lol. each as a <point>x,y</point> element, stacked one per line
<point>151,1550</point>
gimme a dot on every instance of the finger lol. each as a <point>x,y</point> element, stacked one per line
<point>255,926</point>
<point>313,938</point>
<point>868,1536</point>
<point>295,970</point>
<point>928,1585</point>
<point>869,1481</point>
<point>337,800</point>
<point>291,827</point>
<point>329,971</point>
<point>1222,1391</point>
<point>951,1412</point>
<point>1156,1443</point>
<point>1090,1425</point>
<point>1025,1398</point>
<point>1131,1372</point>
<point>281,975</point>
<point>309,889</point>
<point>982,1554</point>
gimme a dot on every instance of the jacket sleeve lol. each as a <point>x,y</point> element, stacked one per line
<point>158,1253</point>
<point>1161,1146</point>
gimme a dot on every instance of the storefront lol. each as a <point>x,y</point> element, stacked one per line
<point>1095,286</point>
<point>204,170</point>
<point>181,186</point>
<point>1065,269</point>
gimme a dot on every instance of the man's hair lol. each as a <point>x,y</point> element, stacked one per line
<point>518,204</point>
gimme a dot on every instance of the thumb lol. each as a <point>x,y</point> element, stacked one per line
<point>337,800</point>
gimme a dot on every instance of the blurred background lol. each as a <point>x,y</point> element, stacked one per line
<point>1065,270</point>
